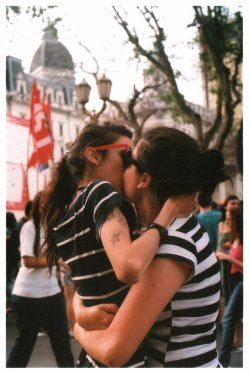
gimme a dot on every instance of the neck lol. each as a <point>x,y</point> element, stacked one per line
<point>205,209</point>
<point>147,209</point>
<point>87,178</point>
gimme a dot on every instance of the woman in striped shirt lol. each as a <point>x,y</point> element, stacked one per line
<point>89,224</point>
<point>172,310</point>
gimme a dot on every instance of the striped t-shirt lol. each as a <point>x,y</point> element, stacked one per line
<point>77,237</point>
<point>184,335</point>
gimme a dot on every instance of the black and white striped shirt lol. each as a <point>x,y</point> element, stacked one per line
<point>185,334</point>
<point>77,237</point>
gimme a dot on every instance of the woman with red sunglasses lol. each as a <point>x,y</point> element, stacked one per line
<point>89,224</point>
<point>172,310</point>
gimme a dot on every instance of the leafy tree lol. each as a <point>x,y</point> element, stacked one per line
<point>219,35</point>
<point>34,12</point>
<point>220,40</point>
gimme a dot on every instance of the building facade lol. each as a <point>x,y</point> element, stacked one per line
<point>53,69</point>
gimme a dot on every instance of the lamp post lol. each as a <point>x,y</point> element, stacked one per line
<point>83,91</point>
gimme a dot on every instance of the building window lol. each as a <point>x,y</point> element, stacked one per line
<point>21,86</point>
<point>61,129</point>
<point>49,95</point>
<point>59,98</point>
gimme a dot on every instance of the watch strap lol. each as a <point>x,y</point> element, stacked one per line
<point>160,228</point>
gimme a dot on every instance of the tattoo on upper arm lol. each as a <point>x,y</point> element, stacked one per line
<point>115,238</point>
<point>117,215</point>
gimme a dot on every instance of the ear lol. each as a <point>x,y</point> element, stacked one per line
<point>92,156</point>
<point>145,181</point>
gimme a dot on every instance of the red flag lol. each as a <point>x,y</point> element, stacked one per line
<point>40,121</point>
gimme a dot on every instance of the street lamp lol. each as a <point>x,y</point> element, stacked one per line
<point>83,91</point>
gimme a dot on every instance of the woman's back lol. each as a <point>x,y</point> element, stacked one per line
<point>187,325</point>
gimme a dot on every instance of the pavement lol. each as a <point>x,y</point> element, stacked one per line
<point>42,355</point>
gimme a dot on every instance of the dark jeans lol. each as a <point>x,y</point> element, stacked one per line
<point>33,314</point>
<point>233,313</point>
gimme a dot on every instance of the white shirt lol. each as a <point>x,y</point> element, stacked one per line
<point>33,282</point>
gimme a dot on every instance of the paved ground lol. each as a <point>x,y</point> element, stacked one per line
<point>42,355</point>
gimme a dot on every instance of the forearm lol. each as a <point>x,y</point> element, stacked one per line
<point>130,259</point>
<point>237,262</point>
<point>33,262</point>
<point>116,345</point>
<point>96,317</point>
<point>145,247</point>
<point>96,343</point>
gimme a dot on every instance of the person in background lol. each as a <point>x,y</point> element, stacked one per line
<point>12,257</point>
<point>25,218</point>
<point>209,218</point>
<point>173,308</point>
<point>234,309</point>
<point>37,298</point>
<point>84,196</point>
<point>231,205</point>
<point>69,289</point>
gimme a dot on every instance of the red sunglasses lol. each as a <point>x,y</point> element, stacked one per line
<point>112,146</point>
<point>126,155</point>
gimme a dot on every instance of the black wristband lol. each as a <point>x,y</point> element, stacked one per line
<point>160,228</point>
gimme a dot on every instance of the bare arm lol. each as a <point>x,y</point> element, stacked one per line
<point>229,258</point>
<point>95,317</point>
<point>115,345</point>
<point>33,262</point>
<point>130,259</point>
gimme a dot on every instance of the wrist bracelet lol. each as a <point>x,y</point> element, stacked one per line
<point>160,228</point>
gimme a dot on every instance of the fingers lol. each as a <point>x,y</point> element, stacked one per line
<point>109,307</point>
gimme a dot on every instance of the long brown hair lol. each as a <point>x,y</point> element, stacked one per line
<point>35,215</point>
<point>66,175</point>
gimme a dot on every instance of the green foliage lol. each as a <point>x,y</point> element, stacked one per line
<point>34,11</point>
<point>221,35</point>
<point>16,10</point>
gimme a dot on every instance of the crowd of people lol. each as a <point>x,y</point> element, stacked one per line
<point>79,268</point>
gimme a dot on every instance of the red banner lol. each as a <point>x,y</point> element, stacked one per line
<point>40,129</point>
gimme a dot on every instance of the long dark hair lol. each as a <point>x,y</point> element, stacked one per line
<point>66,175</point>
<point>36,217</point>
<point>229,198</point>
<point>177,164</point>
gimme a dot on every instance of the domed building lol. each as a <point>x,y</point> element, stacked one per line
<point>52,61</point>
<point>53,69</point>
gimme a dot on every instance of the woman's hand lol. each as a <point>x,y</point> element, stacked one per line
<point>176,207</point>
<point>223,256</point>
<point>95,317</point>
<point>63,266</point>
<point>183,205</point>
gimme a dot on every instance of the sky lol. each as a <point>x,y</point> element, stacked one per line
<point>95,28</point>
<point>93,25</point>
